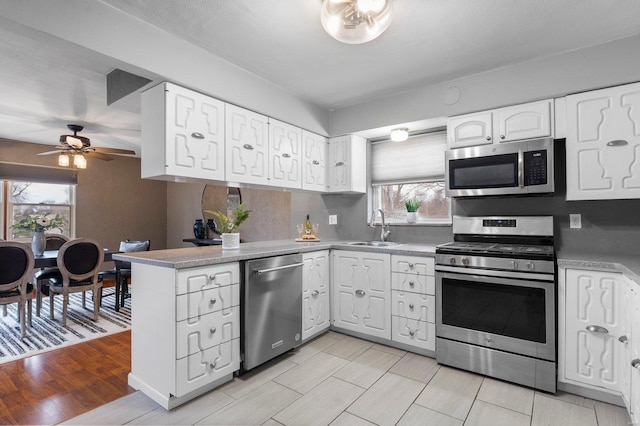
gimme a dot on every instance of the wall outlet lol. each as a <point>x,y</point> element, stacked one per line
<point>333,219</point>
<point>575,221</point>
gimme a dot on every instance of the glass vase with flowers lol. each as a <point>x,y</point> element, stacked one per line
<point>37,224</point>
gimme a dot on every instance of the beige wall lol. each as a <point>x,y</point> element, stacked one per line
<point>112,201</point>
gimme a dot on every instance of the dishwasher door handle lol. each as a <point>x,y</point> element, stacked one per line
<point>277,268</point>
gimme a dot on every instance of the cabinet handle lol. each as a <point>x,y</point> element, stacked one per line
<point>285,155</point>
<point>502,136</point>
<point>247,146</point>
<point>212,365</point>
<point>197,135</point>
<point>623,339</point>
<point>212,277</point>
<point>411,333</point>
<point>213,301</point>
<point>488,138</point>
<point>316,162</point>
<point>340,163</point>
<point>617,142</point>
<point>360,292</point>
<point>411,284</point>
<point>411,306</point>
<point>635,363</point>
<point>411,265</point>
<point>212,330</point>
<point>597,329</point>
<point>315,293</point>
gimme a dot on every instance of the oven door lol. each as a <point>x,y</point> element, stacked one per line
<point>508,314</point>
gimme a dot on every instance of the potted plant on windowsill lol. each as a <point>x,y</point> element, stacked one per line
<point>227,226</point>
<point>412,210</point>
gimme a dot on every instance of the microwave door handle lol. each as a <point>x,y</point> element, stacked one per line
<point>521,169</point>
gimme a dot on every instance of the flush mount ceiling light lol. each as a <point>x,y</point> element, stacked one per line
<point>399,135</point>
<point>355,21</point>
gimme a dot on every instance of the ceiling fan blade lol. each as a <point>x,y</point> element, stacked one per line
<point>97,155</point>
<point>57,151</point>
<point>114,151</point>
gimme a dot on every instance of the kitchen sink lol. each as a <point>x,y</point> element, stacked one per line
<point>375,243</point>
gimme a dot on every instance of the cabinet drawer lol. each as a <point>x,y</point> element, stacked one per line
<point>413,265</point>
<point>197,304</point>
<point>422,284</point>
<point>415,306</point>
<point>207,366</point>
<point>197,279</point>
<point>416,333</point>
<point>207,331</point>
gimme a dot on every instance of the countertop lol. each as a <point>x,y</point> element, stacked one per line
<point>628,265</point>
<point>191,257</point>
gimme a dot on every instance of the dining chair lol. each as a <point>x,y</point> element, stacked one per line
<point>16,266</point>
<point>121,273</point>
<point>53,242</point>
<point>79,262</point>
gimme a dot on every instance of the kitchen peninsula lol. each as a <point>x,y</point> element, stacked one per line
<point>186,308</point>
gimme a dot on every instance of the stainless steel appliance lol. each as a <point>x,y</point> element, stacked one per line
<point>496,299</point>
<point>524,167</point>
<point>271,308</point>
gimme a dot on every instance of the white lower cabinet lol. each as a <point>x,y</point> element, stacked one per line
<point>316,314</point>
<point>186,330</point>
<point>361,292</point>
<point>413,305</point>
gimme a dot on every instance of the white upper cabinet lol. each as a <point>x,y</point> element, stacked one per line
<point>182,134</point>
<point>603,144</point>
<point>285,155</point>
<point>526,121</point>
<point>314,159</point>
<point>347,168</point>
<point>247,146</point>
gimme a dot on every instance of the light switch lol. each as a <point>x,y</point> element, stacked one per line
<point>575,221</point>
<point>333,219</point>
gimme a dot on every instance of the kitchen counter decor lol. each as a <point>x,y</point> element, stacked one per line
<point>228,225</point>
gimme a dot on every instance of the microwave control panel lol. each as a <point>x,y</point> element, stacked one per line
<point>535,168</point>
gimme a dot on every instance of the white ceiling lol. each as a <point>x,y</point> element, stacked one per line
<point>46,83</point>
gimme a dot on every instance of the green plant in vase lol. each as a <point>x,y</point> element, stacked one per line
<point>229,225</point>
<point>412,210</point>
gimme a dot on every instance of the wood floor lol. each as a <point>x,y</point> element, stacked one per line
<point>55,386</point>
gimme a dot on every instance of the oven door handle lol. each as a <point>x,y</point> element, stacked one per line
<point>494,273</point>
<point>521,169</point>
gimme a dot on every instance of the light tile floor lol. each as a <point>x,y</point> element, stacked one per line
<point>340,380</point>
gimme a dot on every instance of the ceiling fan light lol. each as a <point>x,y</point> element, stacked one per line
<point>63,160</point>
<point>400,134</point>
<point>355,21</point>
<point>79,161</point>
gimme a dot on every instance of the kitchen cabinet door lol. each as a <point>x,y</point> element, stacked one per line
<point>470,130</point>
<point>315,293</point>
<point>246,146</point>
<point>603,144</point>
<point>285,156</point>
<point>314,159</point>
<point>633,365</point>
<point>593,323</point>
<point>182,134</point>
<point>347,168</point>
<point>526,121</point>
<point>361,292</point>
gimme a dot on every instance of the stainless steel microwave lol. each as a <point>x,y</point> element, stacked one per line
<point>524,167</point>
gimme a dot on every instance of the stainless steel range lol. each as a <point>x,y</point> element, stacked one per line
<point>496,299</point>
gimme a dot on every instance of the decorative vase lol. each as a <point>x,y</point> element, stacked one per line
<point>412,217</point>
<point>231,241</point>
<point>38,243</point>
<point>211,228</point>
<point>198,229</point>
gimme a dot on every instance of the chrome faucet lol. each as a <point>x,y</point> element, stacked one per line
<point>383,234</point>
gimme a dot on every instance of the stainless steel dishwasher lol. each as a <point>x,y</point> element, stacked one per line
<point>272,308</point>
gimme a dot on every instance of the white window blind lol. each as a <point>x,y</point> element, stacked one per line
<point>418,159</point>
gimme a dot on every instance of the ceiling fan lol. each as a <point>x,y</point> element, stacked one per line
<point>80,145</point>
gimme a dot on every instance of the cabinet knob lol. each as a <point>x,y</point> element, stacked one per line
<point>315,293</point>
<point>488,138</point>
<point>597,329</point>
<point>411,306</point>
<point>197,135</point>
<point>213,301</point>
<point>360,292</point>
<point>411,265</point>
<point>411,333</point>
<point>465,261</point>
<point>635,363</point>
<point>247,146</point>
<point>212,277</point>
<point>212,330</point>
<point>623,339</point>
<point>340,163</point>
<point>212,365</point>
<point>502,137</point>
<point>411,284</point>
<point>530,266</point>
<point>316,162</point>
<point>285,155</point>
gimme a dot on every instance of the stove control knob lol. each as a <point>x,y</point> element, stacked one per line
<point>514,264</point>
<point>530,266</point>
<point>452,261</point>
<point>465,261</point>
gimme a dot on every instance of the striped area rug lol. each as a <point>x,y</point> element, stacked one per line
<point>46,334</point>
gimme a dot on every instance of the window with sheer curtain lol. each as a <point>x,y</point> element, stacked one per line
<point>413,169</point>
